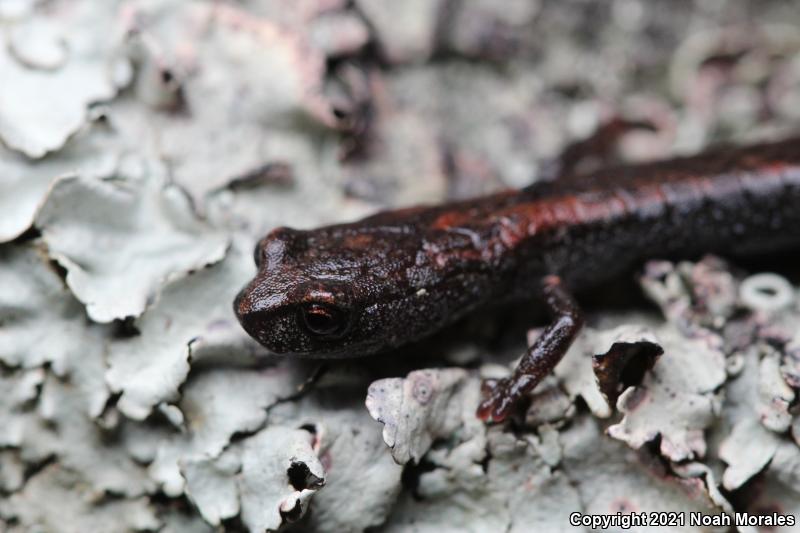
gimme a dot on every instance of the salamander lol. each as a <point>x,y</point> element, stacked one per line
<point>397,276</point>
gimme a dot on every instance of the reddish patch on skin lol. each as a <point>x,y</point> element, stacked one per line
<point>588,209</point>
<point>358,242</point>
<point>452,219</point>
<point>512,231</point>
<point>319,295</point>
<point>566,210</point>
<point>530,218</point>
<point>777,168</point>
<point>443,256</point>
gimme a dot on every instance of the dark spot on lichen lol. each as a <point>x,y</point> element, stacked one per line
<point>301,478</point>
<point>623,366</point>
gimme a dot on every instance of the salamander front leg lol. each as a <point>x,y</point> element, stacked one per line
<point>541,357</point>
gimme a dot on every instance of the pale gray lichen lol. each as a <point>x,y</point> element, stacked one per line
<point>550,404</point>
<point>280,474</point>
<point>71,508</point>
<point>17,390</point>
<point>24,183</point>
<point>179,521</point>
<point>610,478</point>
<point>426,405</point>
<point>750,446</point>
<point>175,420</point>
<point>766,292</point>
<point>53,68</point>
<point>338,33</point>
<point>105,467</point>
<point>12,470</point>
<point>350,446</point>
<point>578,373</point>
<point>747,450</point>
<point>261,209</point>
<point>257,73</point>
<point>152,237</point>
<point>405,33</point>
<point>55,413</point>
<point>676,401</point>
<point>43,323</point>
<point>148,368</point>
<point>389,170</point>
<point>211,485</point>
<point>268,478</point>
<point>216,404</point>
<point>775,395</point>
<point>463,496</point>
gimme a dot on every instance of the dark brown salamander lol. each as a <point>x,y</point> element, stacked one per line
<point>359,288</point>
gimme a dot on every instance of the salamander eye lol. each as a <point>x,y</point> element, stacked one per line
<point>324,320</point>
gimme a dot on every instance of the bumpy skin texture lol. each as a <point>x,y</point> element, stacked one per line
<point>360,288</point>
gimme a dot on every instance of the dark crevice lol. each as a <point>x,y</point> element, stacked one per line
<point>29,234</point>
<point>311,428</point>
<point>411,474</point>
<point>293,514</point>
<point>32,469</point>
<point>301,478</point>
<point>125,328</point>
<point>234,525</point>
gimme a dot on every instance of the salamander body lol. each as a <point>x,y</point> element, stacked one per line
<point>394,277</point>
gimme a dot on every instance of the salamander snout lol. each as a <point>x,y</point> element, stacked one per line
<point>253,315</point>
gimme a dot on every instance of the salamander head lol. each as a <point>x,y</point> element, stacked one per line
<point>327,293</point>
